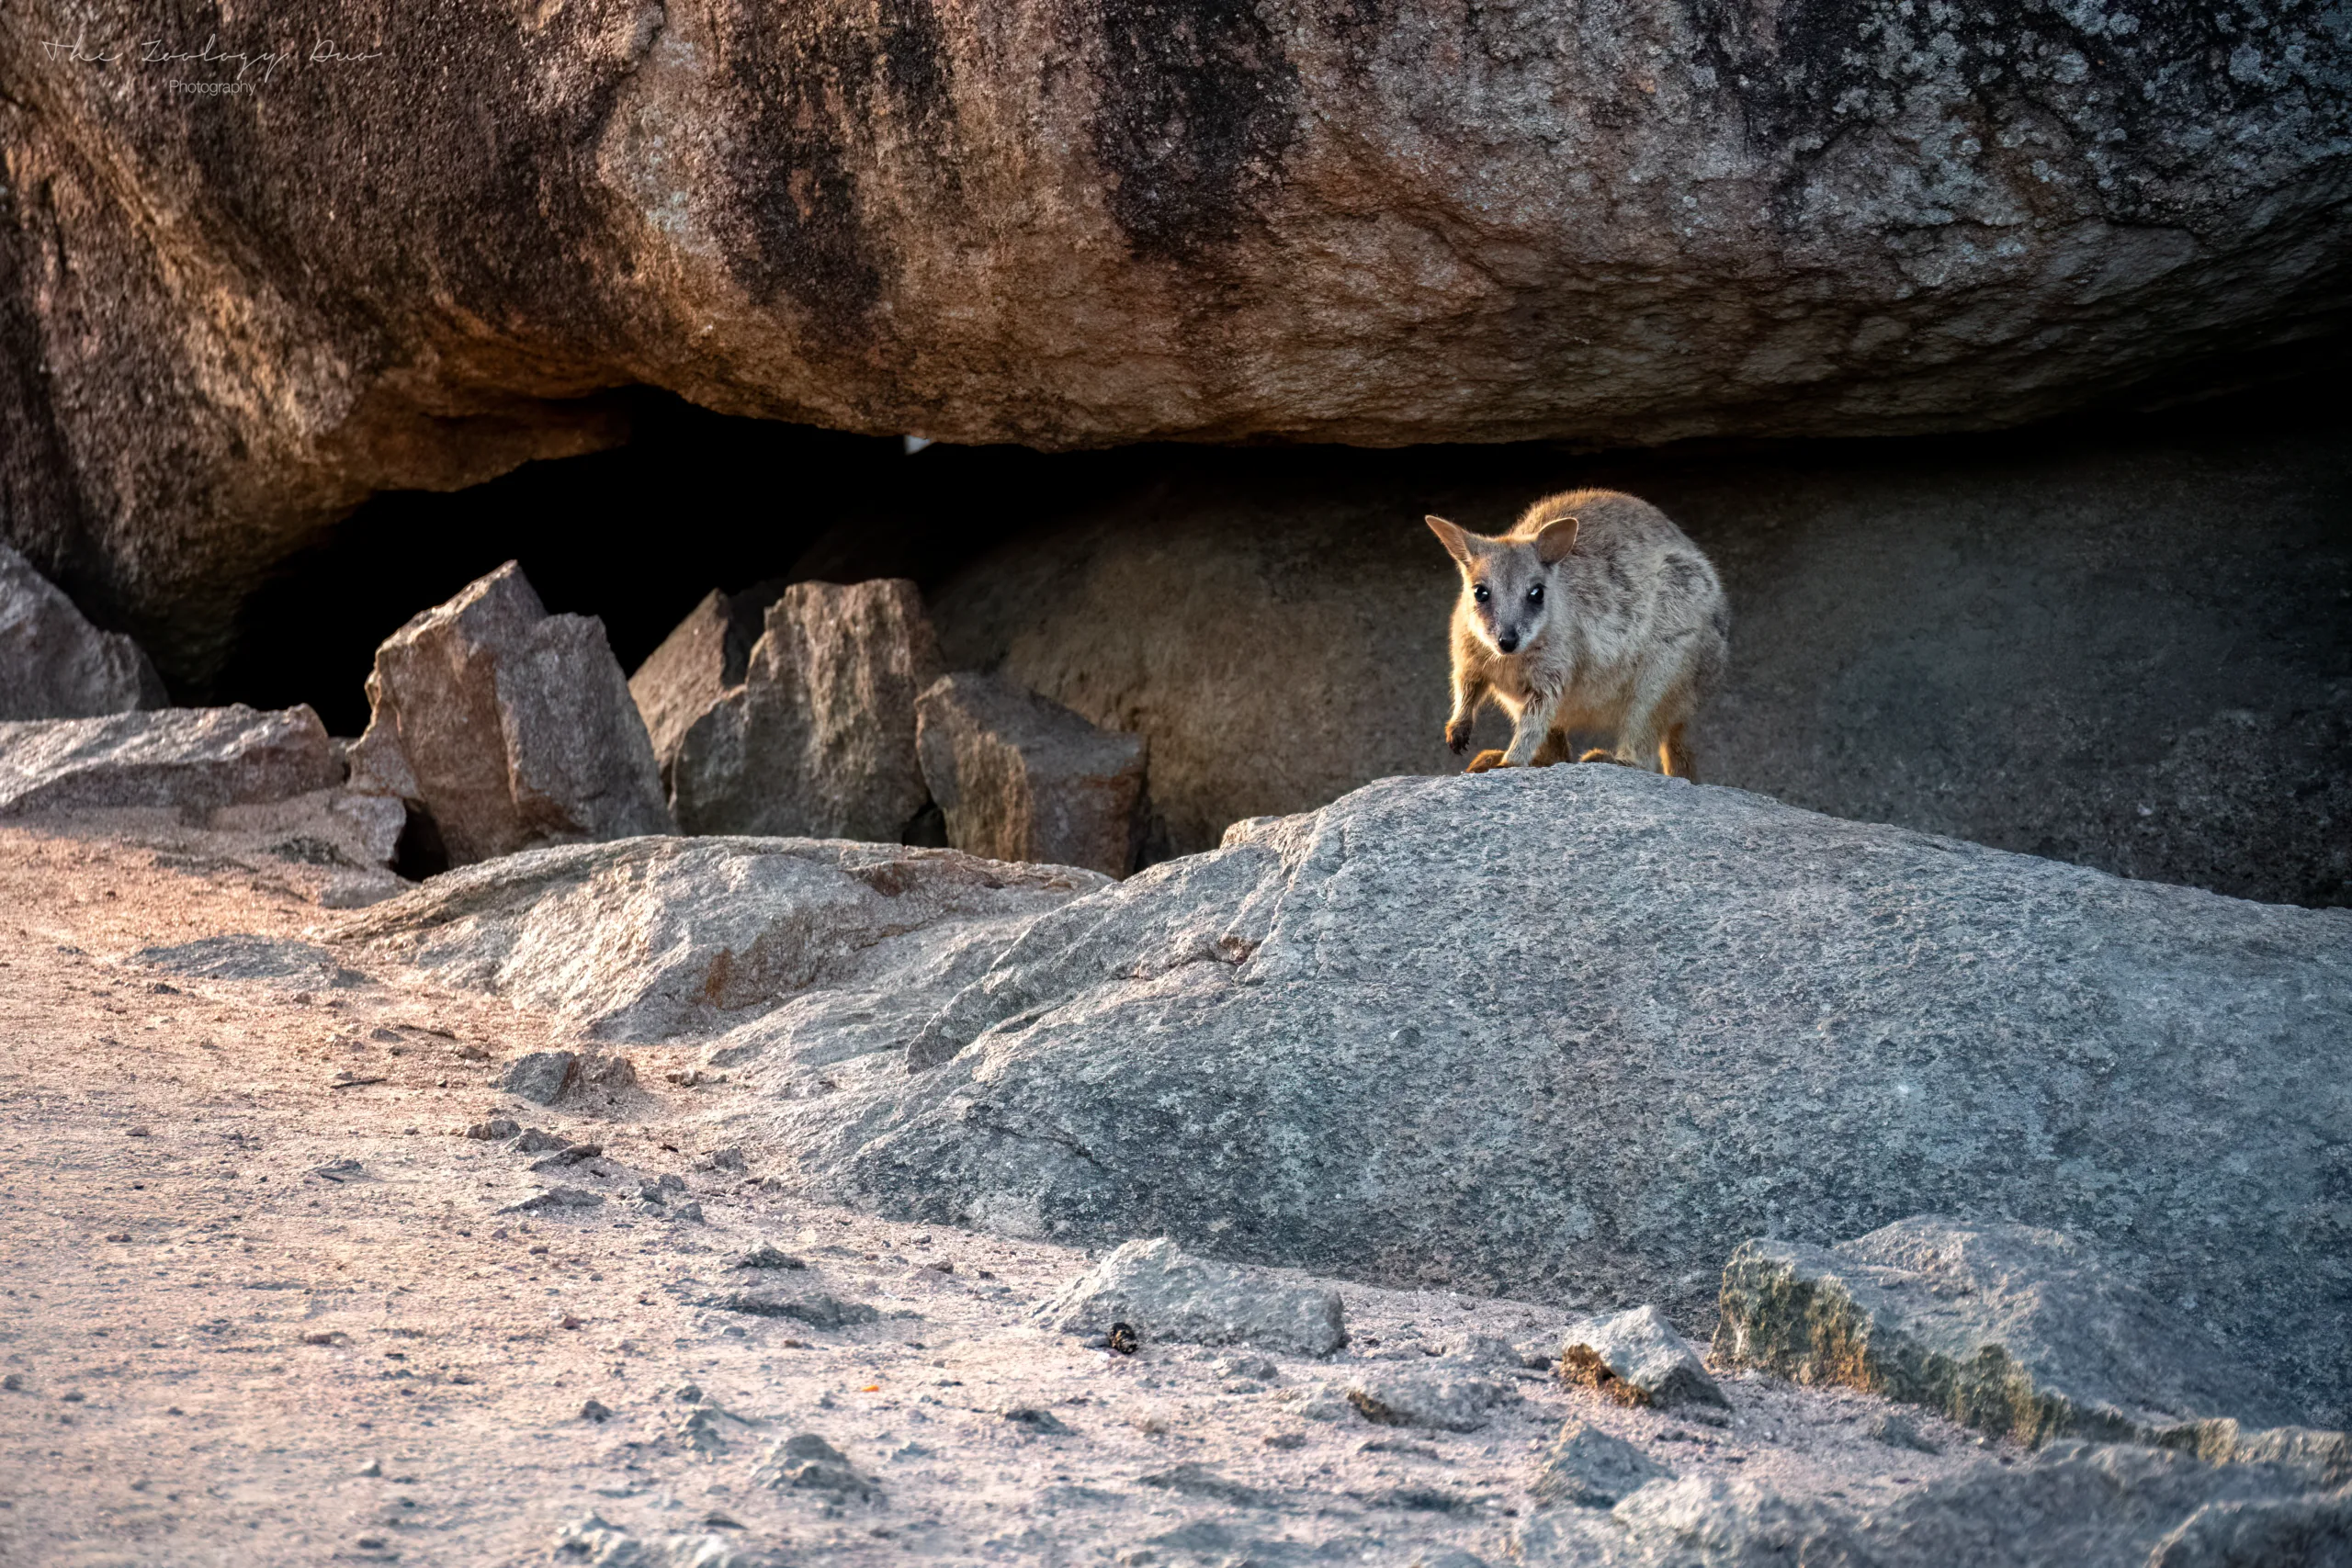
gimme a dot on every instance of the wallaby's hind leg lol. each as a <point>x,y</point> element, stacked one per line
<point>1674,755</point>
<point>1485,760</point>
<point>1554,749</point>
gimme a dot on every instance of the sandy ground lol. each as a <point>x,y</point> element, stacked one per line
<point>226,1343</point>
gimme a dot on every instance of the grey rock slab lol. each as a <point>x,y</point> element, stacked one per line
<point>1166,1294</point>
<point>819,740</point>
<point>1636,1358</point>
<point>816,1309</point>
<point>185,759</point>
<point>1583,1030</point>
<point>2075,1505</point>
<point>2022,1332</point>
<point>55,664</point>
<point>508,727</point>
<point>652,939</point>
<point>1589,1468</point>
<point>1445,1399</point>
<point>1020,778</point>
<point>241,957</point>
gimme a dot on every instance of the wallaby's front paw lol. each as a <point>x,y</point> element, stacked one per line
<point>1457,736</point>
<point>1485,761</point>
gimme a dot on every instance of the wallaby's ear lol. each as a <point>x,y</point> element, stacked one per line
<point>1456,539</point>
<point>1556,540</point>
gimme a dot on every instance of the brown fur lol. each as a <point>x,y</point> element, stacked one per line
<point>1600,617</point>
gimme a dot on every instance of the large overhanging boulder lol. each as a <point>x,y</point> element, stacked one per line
<point>240,290</point>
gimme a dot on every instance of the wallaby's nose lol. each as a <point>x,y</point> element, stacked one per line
<point>1508,642</point>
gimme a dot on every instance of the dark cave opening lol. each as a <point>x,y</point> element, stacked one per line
<point>635,535</point>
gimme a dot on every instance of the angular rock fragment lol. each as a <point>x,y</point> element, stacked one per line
<point>1445,1399</point>
<point>509,727</point>
<point>54,664</point>
<point>1168,1294</point>
<point>591,1542</point>
<point>497,1129</point>
<point>1593,1468</point>
<point>819,740</point>
<point>1635,1357</point>
<point>2022,1332</point>
<point>807,1462</point>
<point>541,1077</point>
<point>1022,778</point>
<point>702,659</point>
<point>185,759</point>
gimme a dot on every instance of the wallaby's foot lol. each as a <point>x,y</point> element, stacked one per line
<point>1457,737</point>
<point>1485,760</point>
<point>1599,754</point>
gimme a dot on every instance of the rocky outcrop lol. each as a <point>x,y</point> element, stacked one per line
<point>1019,777</point>
<point>2025,643</point>
<point>1580,1032</point>
<point>2076,1506</point>
<point>1575,1033</point>
<point>190,760</point>
<point>53,663</point>
<point>2024,1333</point>
<point>507,727</point>
<point>652,939</point>
<point>1073,225</point>
<point>818,738</point>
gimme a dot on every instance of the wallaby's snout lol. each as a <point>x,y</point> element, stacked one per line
<point>1508,642</point>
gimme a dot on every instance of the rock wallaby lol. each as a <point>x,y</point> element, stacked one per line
<point>1595,616</point>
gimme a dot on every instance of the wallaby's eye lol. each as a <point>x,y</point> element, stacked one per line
<point>1479,593</point>
<point>1536,594</point>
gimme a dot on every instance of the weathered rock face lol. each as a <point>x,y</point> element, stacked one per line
<point>819,740</point>
<point>2076,1506</point>
<point>1067,225</point>
<point>2020,1332</point>
<point>1580,1032</point>
<point>2129,651</point>
<point>53,663</point>
<point>193,759</point>
<point>508,727</point>
<point>656,938</point>
<point>1023,778</point>
<point>685,678</point>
